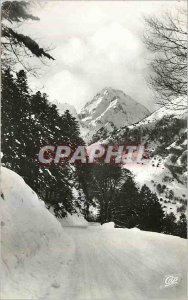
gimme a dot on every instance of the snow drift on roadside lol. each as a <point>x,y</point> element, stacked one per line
<point>73,220</point>
<point>35,249</point>
<point>109,225</point>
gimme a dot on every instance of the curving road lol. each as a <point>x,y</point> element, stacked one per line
<point>124,264</point>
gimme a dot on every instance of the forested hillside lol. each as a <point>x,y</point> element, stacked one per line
<point>30,121</point>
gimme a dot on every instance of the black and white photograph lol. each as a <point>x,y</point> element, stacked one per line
<point>93,149</point>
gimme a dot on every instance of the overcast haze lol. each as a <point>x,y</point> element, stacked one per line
<point>95,44</point>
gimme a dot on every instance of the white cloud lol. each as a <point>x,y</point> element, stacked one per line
<point>72,53</point>
<point>65,86</point>
<point>107,58</point>
<point>97,44</point>
<point>117,39</point>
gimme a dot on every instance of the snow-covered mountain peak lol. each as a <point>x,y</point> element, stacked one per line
<point>110,106</point>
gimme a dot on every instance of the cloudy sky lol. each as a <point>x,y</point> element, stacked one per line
<point>95,44</point>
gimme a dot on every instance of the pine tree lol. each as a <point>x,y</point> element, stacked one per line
<point>173,227</point>
<point>72,132</point>
<point>150,211</point>
<point>85,180</point>
<point>8,110</point>
<point>29,123</point>
<point>181,229</point>
<point>169,224</point>
<point>126,205</point>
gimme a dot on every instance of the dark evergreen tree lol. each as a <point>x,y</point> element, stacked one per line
<point>126,205</point>
<point>150,211</point>
<point>8,110</point>
<point>72,129</point>
<point>169,224</point>
<point>181,228</point>
<point>173,227</point>
<point>85,183</point>
<point>29,123</point>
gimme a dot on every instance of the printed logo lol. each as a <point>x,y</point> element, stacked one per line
<point>171,280</point>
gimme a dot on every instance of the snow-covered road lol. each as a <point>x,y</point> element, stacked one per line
<point>44,259</point>
<point>124,264</point>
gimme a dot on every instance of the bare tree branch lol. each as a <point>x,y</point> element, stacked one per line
<point>166,38</point>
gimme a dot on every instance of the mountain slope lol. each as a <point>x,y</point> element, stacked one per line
<point>110,109</point>
<point>164,134</point>
<point>169,110</point>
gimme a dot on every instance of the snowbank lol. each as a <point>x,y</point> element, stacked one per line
<point>73,220</point>
<point>35,249</point>
<point>109,225</point>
